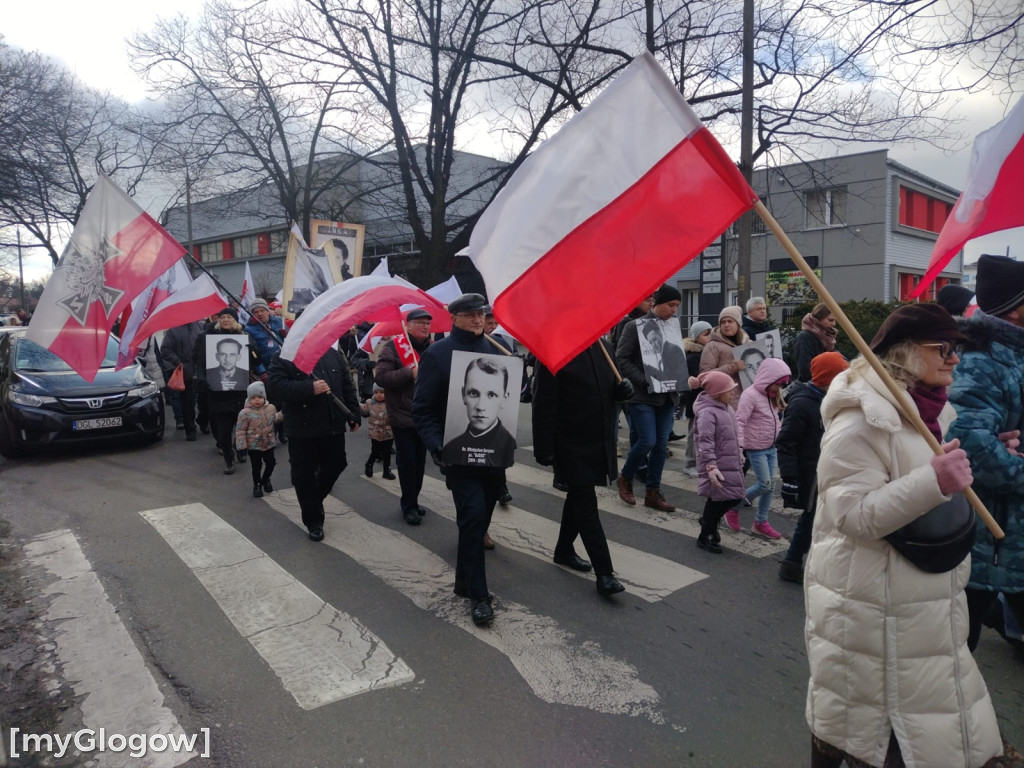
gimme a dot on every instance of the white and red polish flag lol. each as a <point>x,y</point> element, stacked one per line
<point>248,295</point>
<point>991,201</point>
<point>194,300</point>
<point>441,322</point>
<point>170,281</point>
<point>627,192</point>
<point>114,253</point>
<point>331,314</point>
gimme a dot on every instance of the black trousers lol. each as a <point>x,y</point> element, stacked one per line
<point>262,464</point>
<point>980,602</point>
<point>411,458</point>
<point>316,464</point>
<point>714,511</point>
<point>202,407</point>
<point>187,398</point>
<point>380,449</point>
<point>475,493</point>
<point>222,425</point>
<point>580,518</point>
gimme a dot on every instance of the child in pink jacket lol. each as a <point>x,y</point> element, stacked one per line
<point>254,433</point>
<point>757,418</point>
<point>717,449</point>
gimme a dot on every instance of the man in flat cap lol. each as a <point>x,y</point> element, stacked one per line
<point>475,489</point>
<point>396,372</point>
<point>988,394</point>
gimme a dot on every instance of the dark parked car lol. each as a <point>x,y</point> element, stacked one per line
<point>43,402</point>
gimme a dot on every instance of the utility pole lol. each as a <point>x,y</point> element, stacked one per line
<point>21,273</point>
<point>746,149</point>
<point>188,212</point>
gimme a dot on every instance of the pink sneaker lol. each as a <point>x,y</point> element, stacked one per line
<point>732,519</point>
<point>766,530</point>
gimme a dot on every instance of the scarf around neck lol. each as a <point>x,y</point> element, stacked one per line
<point>824,334</point>
<point>930,401</point>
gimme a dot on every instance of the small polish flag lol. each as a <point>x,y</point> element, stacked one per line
<point>198,299</point>
<point>991,202</point>
<point>601,214</point>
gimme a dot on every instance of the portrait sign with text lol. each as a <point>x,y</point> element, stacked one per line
<point>227,362</point>
<point>661,349</point>
<point>346,243</point>
<point>767,344</point>
<point>483,410</point>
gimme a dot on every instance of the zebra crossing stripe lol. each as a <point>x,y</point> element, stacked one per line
<point>320,654</point>
<point>559,667</point>
<point>647,576</point>
<point>681,521</point>
<point>98,658</point>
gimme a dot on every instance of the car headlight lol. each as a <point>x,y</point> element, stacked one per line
<point>35,401</point>
<point>146,390</point>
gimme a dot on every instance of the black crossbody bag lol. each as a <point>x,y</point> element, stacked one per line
<point>940,539</point>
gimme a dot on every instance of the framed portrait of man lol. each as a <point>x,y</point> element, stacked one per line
<point>227,362</point>
<point>308,272</point>
<point>345,243</point>
<point>661,349</point>
<point>483,410</point>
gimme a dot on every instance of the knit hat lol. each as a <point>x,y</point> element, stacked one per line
<point>954,298</point>
<point>698,328</point>
<point>667,293</point>
<point>256,389</point>
<point>713,382</point>
<point>258,304</point>
<point>228,311</point>
<point>825,367</point>
<point>1000,284</point>
<point>377,387</point>
<point>917,322</point>
<point>734,312</point>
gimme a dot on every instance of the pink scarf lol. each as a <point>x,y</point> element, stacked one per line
<point>824,334</point>
<point>930,401</point>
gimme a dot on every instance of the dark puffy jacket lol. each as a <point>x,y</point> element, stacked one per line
<point>629,358</point>
<point>753,327</point>
<point>799,440</point>
<point>177,346</point>
<point>988,395</point>
<point>309,415</point>
<point>397,382</point>
<point>574,415</point>
<point>806,347</point>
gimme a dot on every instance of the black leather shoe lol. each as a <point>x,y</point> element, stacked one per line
<point>559,486</point>
<point>316,534</point>
<point>369,469</point>
<point>267,487</point>
<point>411,517</point>
<point>421,511</point>
<point>257,491</point>
<point>481,612</point>
<point>505,498</point>
<point>574,561</point>
<point>673,437</point>
<point>387,474</point>
<point>708,545</point>
<point>609,585</point>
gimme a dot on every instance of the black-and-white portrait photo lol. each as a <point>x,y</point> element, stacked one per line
<point>661,348</point>
<point>483,410</point>
<point>312,277</point>
<point>227,362</point>
<point>772,343</point>
<point>752,355</point>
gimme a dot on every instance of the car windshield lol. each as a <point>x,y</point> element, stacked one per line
<point>31,357</point>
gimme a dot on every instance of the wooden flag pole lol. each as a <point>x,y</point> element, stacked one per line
<point>499,346</point>
<point>611,364</point>
<point>898,394</point>
<point>405,330</point>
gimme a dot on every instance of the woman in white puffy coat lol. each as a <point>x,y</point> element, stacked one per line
<point>892,681</point>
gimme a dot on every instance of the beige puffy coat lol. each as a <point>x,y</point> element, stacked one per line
<point>886,642</point>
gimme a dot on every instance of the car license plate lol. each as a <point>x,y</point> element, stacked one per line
<point>110,421</point>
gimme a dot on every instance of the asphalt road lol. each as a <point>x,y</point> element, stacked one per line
<point>221,614</point>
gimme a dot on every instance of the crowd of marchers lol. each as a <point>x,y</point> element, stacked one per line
<point>899,574</point>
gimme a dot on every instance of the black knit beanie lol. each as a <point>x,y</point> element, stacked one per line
<point>667,293</point>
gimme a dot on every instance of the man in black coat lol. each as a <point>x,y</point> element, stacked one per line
<point>397,377</point>
<point>475,490</point>
<point>756,320</point>
<point>176,349</point>
<point>315,423</point>
<point>574,415</point>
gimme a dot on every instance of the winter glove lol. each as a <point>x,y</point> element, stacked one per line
<point>952,468</point>
<point>624,390</point>
<point>716,477</point>
<point>790,493</point>
<point>1011,441</point>
<point>436,456</point>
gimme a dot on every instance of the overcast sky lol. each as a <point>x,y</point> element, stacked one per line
<point>92,44</point>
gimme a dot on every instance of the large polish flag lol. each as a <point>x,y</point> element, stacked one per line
<point>602,213</point>
<point>196,300</point>
<point>993,199</point>
<point>331,314</point>
<point>115,252</point>
<point>441,322</point>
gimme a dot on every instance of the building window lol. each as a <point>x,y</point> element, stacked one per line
<point>245,247</point>
<point>825,208</point>
<point>210,252</point>
<point>921,211</point>
<point>908,282</point>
